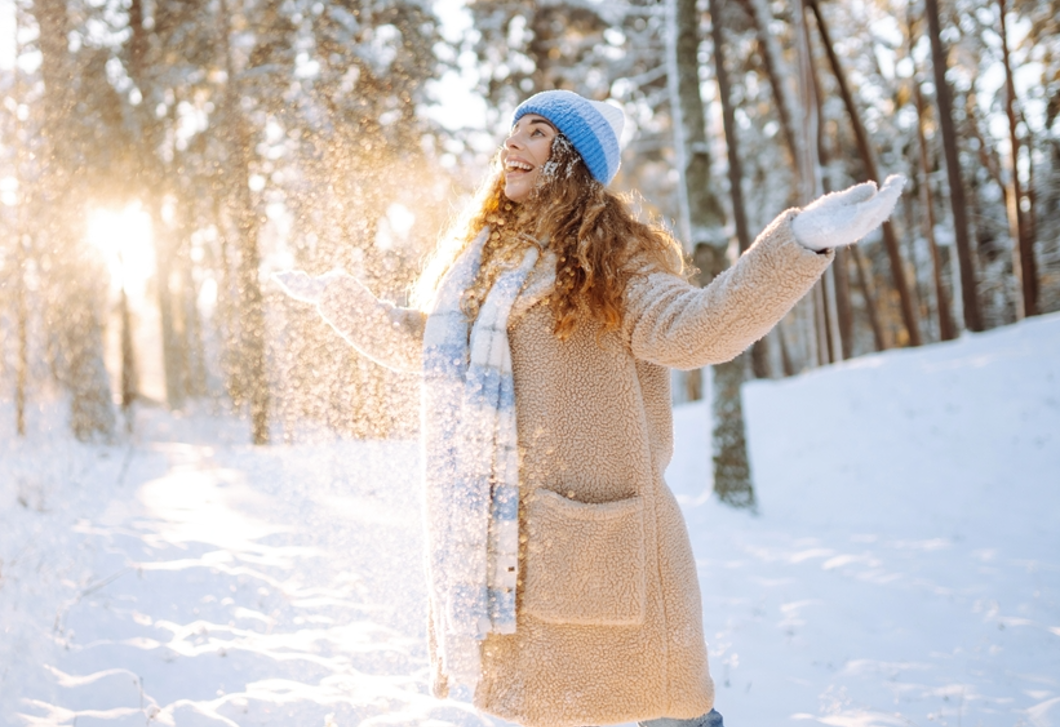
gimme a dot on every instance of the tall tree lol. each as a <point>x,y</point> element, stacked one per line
<point>75,299</point>
<point>759,353</point>
<point>947,326</point>
<point>772,61</point>
<point>728,115</point>
<point>969,283</point>
<point>704,218</point>
<point>247,225</point>
<point>22,240</point>
<point>1025,264</point>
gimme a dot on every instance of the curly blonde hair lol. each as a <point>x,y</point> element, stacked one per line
<point>598,242</point>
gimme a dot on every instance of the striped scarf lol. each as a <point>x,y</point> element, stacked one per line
<point>472,463</point>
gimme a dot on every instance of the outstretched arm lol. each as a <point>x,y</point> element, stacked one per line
<point>673,323</point>
<point>388,334</point>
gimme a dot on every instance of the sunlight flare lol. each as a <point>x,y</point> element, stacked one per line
<point>125,239</point>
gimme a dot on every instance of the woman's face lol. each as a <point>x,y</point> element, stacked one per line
<point>526,150</point>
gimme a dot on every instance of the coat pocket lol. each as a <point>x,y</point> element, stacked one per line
<point>584,562</point>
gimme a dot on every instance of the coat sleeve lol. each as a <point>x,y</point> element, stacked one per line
<point>387,334</point>
<point>673,323</point>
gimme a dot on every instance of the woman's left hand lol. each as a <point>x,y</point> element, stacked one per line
<point>843,218</point>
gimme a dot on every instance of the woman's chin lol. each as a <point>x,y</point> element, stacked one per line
<point>518,190</point>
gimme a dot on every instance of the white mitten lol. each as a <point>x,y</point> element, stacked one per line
<point>842,218</point>
<point>303,286</point>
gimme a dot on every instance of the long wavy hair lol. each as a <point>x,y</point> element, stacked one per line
<point>598,242</point>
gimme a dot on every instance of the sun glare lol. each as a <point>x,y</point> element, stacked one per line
<point>125,240</point>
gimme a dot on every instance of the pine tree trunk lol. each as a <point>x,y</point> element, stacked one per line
<point>772,59</point>
<point>171,359</point>
<point>129,385</point>
<point>228,310</point>
<point>870,299</point>
<point>759,354</point>
<point>702,209</point>
<point>809,165</point>
<point>732,477</point>
<point>21,314</point>
<point>969,285</point>
<point>251,304</point>
<point>1023,261</point>
<point>844,309</point>
<point>195,381</point>
<point>73,300</point>
<point>728,115</point>
<point>947,328</point>
<point>21,258</point>
<point>785,354</point>
<point>85,375</point>
<point>830,337</point>
<point>827,319</point>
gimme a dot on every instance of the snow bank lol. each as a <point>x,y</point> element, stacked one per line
<point>905,564</point>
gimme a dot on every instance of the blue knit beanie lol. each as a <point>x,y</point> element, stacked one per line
<point>593,127</point>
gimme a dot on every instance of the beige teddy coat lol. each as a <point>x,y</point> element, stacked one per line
<point>609,625</point>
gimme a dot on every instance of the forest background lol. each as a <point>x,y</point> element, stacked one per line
<point>159,159</point>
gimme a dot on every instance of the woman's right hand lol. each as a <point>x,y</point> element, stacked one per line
<point>843,218</point>
<point>304,287</point>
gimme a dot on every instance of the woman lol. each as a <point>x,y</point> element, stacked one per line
<point>562,585</point>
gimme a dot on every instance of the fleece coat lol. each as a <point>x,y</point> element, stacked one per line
<point>608,620</point>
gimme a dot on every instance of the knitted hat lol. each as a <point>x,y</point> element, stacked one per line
<point>593,127</point>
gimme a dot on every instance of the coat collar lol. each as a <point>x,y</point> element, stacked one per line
<point>538,285</point>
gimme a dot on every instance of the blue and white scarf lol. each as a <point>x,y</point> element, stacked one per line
<point>472,463</point>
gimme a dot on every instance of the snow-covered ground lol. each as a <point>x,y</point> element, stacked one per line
<point>903,569</point>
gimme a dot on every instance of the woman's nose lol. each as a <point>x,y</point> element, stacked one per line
<point>512,141</point>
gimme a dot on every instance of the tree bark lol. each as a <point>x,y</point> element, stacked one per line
<point>195,369</point>
<point>732,475</point>
<point>171,358</point>
<point>21,315</point>
<point>251,304</point>
<point>870,299</point>
<point>728,115</point>
<point>825,348</point>
<point>829,333</point>
<point>228,306</point>
<point>808,163</point>
<point>703,212</point>
<point>129,386</point>
<point>73,305</point>
<point>947,328</point>
<point>771,58</point>
<point>844,310</point>
<point>969,285</point>
<point>1024,263</point>
<point>868,158</point>
<point>21,256</point>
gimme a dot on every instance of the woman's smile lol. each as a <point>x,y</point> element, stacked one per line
<point>526,150</point>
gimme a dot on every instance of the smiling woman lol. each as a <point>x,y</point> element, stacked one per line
<point>562,587</point>
<point>124,238</point>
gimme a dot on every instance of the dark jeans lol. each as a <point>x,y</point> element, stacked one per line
<point>710,719</point>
